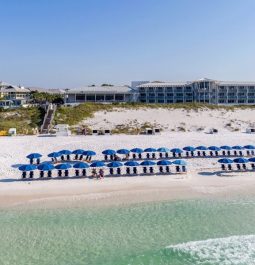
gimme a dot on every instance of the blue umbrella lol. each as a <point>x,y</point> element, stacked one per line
<point>81,165</point>
<point>123,151</point>
<point>202,148</point>
<point>89,153</point>
<point>214,148</point>
<point>225,161</point>
<point>241,160</point>
<point>63,166</point>
<point>252,159</point>
<point>176,150</point>
<point>148,163</point>
<point>226,147</point>
<point>27,167</point>
<point>115,164</point>
<point>251,147</point>
<point>150,150</point>
<point>45,167</point>
<point>109,152</point>
<point>189,148</point>
<point>164,163</point>
<point>65,152</point>
<point>34,156</point>
<point>54,154</point>
<point>163,150</point>
<point>237,147</point>
<point>137,150</point>
<point>180,162</point>
<point>131,164</point>
<point>97,164</point>
<point>78,152</point>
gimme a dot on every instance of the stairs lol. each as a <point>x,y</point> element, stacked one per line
<point>48,118</point>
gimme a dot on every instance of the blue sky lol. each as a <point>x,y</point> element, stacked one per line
<point>69,43</point>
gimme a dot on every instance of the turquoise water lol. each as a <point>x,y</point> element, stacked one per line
<point>186,232</point>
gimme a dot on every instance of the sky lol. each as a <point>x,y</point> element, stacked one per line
<point>71,43</point>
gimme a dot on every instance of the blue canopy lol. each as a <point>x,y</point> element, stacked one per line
<point>109,152</point>
<point>54,154</point>
<point>45,167</point>
<point>97,164</point>
<point>202,148</point>
<point>164,163</point>
<point>252,159</point>
<point>163,150</point>
<point>180,162</point>
<point>226,147</point>
<point>225,161</point>
<point>65,152</point>
<point>115,164</point>
<point>214,148</point>
<point>241,160</point>
<point>63,166</point>
<point>251,147</point>
<point>80,165</point>
<point>148,163</point>
<point>78,152</point>
<point>131,164</point>
<point>176,150</point>
<point>189,148</point>
<point>89,153</point>
<point>150,150</point>
<point>34,156</point>
<point>137,150</point>
<point>27,167</point>
<point>237,147</point>
<point>123,151</point>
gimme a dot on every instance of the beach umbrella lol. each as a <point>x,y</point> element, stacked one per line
<point>226,147</point>
<point>115,164</point>
<point>34,156</point>
<point>54,154</point>
<point>163,150</point>
<point>164,163</point>
<point>137,150</point>
<point>78,152</point>
<point>252,159</point>
<point>225,161</point>
<point>131,164</point>
<point>237,147</point>
<point>65,152</point>
<point>97,164</point>
<point>189,148</point>
<point>202,148</point>
<point>109,152</point>
<point>150,150</point>
<point>250,147</point>
<point>176,150</point>
<point>180,162</point>
<point>27,167</point>
<point>123,151</point>
<point>148,163</point>
<point>45,167</point>
<point>89,153</point>
<point>80,165</point>
<point>63,166</point>
<point>214,148</point>
<point>241,160</point>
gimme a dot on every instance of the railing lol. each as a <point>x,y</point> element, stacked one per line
<point>48,118</point>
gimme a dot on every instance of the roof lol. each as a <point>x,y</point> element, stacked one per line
<point>164,84</point>
<point>45,90</point>
<point>5,88</point>
<point>102,89</point>
<point>236,83</point>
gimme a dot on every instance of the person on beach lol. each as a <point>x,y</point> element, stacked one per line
<point>101,173</point>
<point>94,173</point>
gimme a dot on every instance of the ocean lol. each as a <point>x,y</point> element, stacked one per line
<point>204,232</point>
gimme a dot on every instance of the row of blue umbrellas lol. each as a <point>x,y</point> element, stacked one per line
<point>239,160</point>
<point>82,165</point>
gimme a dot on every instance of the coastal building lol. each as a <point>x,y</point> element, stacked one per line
<point>201,91</point>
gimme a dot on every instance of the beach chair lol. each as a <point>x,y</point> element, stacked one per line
<point>128,171</point>
<point>177,169</point>
<point>252,152</point>
<point>174,154</point>
<point>145,170</point>
<point>66,173</point>
<point>24,174</point>
<point>81,157</point>
<point>135,170</point>
<point>118,171</point>
<point>253,166</point>
<point>238,166</point>
<point>153,156</point>
<point>60,173</point>
<point>148,156</point>
<point>229,153</point>
<point>240,153</point>
<point>160,155</point>
<point>77,173</point>
<point>84,172</point>
<point>248,153</point>
<point>204,153</point>
<point>216,153</point>
<point>68,157</point>
<point>76,157</point>
<point>62,158</point>
<point>229,167</point>
<point>151,170</point>
<point>31,174</point>
<point>244,167</point>
<point>223,167</point>
<point>184,169</point>
<point>167,169</point>
<point>31,161</point>
<point>134,156</point>
<point>166,155</point>
<point>49,174</point>
<point>180,155</point>
<point>187,154</point>
<point>41,174</point>
<point>161,169</point>
<point>223,153</point>
<point>211,153</point>
<point>235,153</point>
<point>192,153</point>
<point>111,171</point>
<point>140,156</point>
<point>198,153</point>
<point>105,157</point>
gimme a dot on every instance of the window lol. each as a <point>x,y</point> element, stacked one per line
<point>152,95</point>
<point>119,97</point>
<point>80,97</point>
<point>99,97</point>
<point>160,89</point>
<point>152,101</point>
<point>109,97</point>
<point>169,89</point>
<point>251,101</point>
<point>161,95</point>
<point>179,94</point>
<point>161,101</point>
<point>91,97</point>
<point>169,101</point>
<point>143,94</point>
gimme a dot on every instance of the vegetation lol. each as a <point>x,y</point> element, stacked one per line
<point>43,97</point>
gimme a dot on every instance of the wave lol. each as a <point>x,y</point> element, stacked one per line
<point>234,250</point>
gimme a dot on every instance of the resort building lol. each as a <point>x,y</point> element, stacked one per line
<point>201,91</point>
